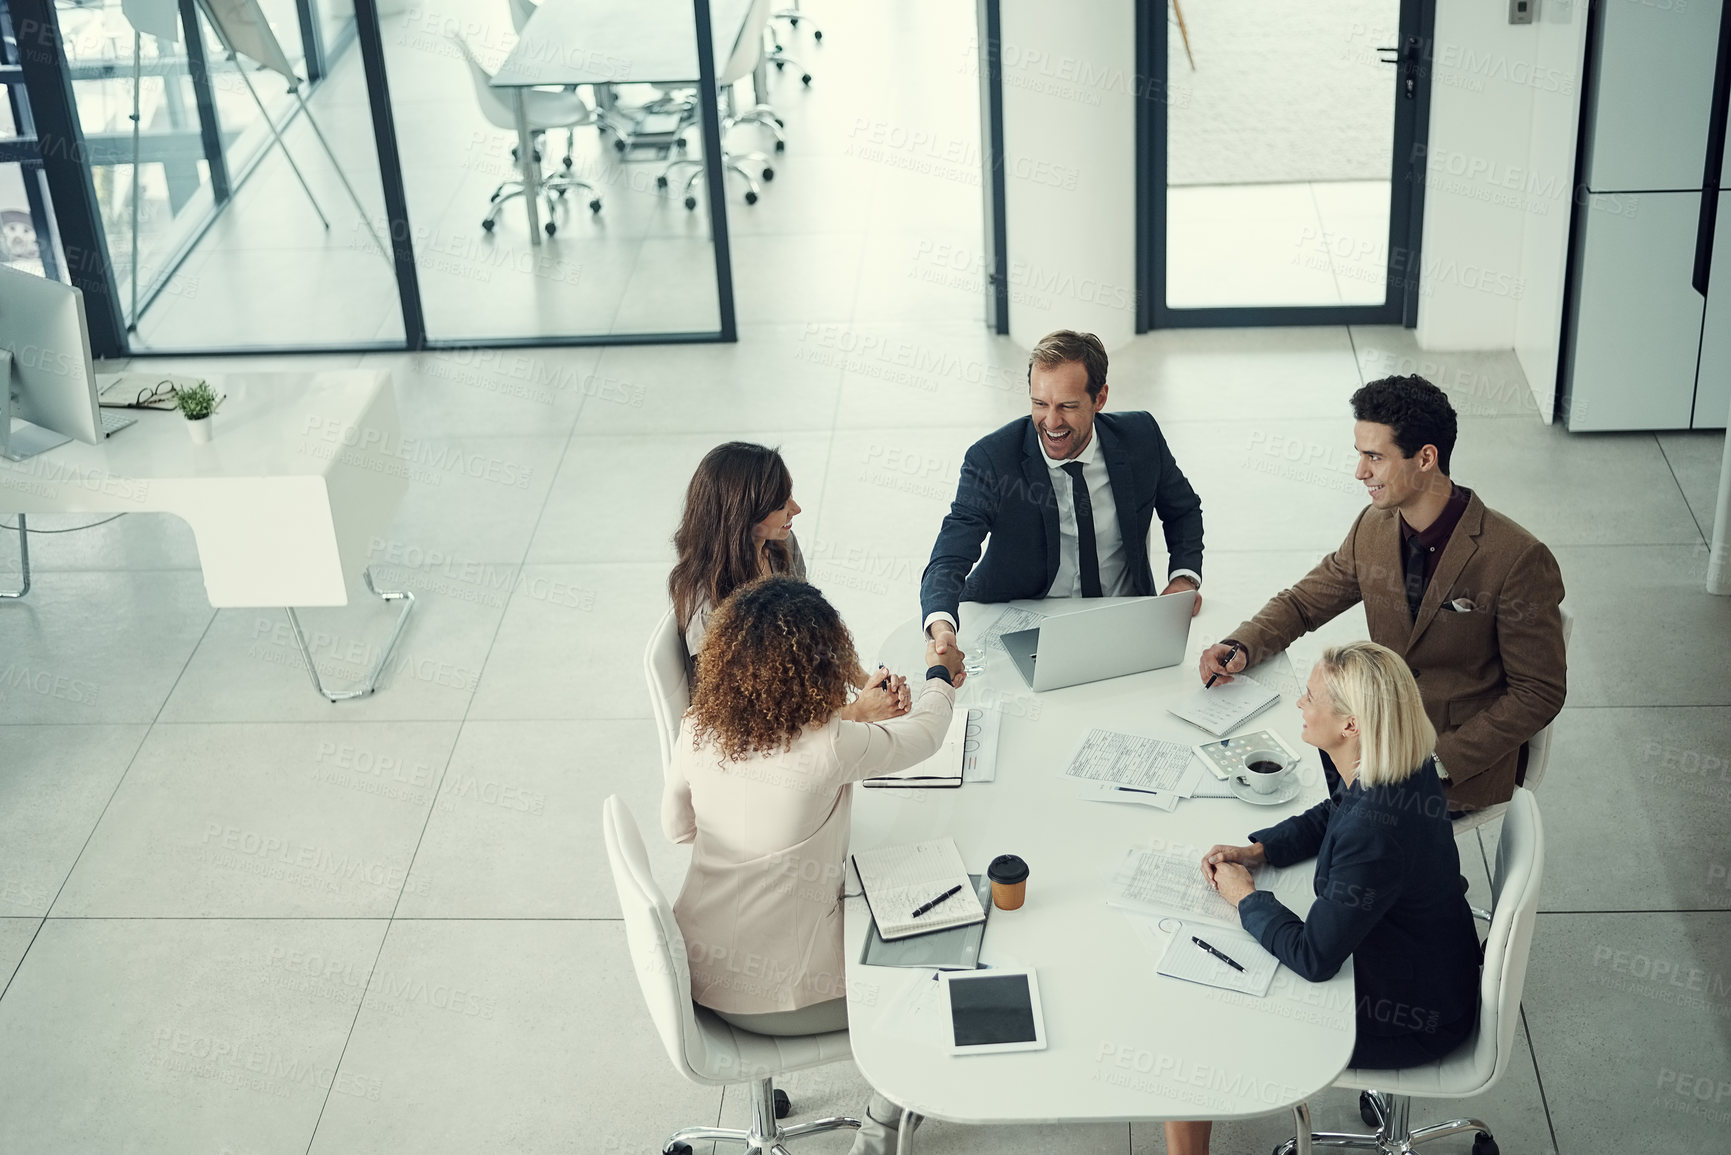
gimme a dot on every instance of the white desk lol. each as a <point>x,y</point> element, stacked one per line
<point>1124,1043</point>
<point>305,470</point>
<point>571,42</point>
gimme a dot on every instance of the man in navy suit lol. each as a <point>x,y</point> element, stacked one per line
<point>1067,496</point>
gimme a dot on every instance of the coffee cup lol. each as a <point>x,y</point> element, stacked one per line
<point>1266,771</point>
<point>1009,876</point>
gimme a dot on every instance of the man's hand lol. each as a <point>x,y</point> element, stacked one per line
<point>946,653</point>
<point>1252,855</point>
<point>1212,658</point>
<point>1177,586</point>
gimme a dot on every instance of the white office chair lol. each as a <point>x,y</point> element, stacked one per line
<point>1538,756</point>
<point>705,1049</point>
<point>793,16</point>
<point>747,51</point>
<point>1480,1061</point>
<point>545,110</point>
<point>664,665</point>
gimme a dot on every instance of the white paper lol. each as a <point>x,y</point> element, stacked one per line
<point>917,1012</point>
<point>1226,707</point>
<point>1010,621</point>
<point>1130,760</point>
<point>1158,799</point>
<point>1168,882</point>
<point>1211,787</point>
<point>1185,960</point>
<point>980,752</point>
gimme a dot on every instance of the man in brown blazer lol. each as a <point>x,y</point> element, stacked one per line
<point>1466,596</point>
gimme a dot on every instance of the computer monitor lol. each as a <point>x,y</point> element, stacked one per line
<point>50,385</point>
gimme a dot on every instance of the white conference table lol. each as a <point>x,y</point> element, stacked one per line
<point>602,42</point>
<point>304,471</point>
<point>1124,1044</point>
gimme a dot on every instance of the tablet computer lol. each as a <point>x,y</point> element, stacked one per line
<point>992,1011</point>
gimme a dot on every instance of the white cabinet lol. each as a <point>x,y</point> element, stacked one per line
<point>1652,95</point>
<point>1638,319</point>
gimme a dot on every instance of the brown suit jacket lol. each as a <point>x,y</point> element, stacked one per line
<point>1491,677</point>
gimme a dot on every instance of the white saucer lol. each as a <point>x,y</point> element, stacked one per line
<point>1285,793</point>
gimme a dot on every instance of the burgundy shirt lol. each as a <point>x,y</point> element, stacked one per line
<point>1435,538</point>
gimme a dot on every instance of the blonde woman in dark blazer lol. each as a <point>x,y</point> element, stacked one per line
<point>1387,884</point>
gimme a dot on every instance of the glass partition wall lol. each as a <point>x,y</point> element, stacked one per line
<point>357,213</point>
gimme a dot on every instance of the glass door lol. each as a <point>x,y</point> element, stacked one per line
<point>1281,173</point>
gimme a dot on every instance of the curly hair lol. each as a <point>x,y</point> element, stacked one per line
<point>1417,411</point>
<point>777,659</point>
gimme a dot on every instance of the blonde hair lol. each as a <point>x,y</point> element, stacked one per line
<point>1372,684</point>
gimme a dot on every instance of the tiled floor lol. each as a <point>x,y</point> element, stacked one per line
<point>234,918</point>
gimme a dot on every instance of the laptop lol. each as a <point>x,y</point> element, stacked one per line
<point>1105,642</point>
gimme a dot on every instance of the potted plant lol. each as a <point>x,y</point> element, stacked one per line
<point>195,403</point>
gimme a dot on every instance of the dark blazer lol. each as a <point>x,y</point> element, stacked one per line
<point>1491,677</point>
<point>1388,894</point>
<point>1006,491</point>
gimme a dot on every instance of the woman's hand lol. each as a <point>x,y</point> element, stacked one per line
<point>883,696</point>
<point>1226,869</point>
<point>950,657</point>
<point>1232,881</point>
<point>1252,855</point>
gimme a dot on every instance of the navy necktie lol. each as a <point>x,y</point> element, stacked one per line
<point>1088,556</point>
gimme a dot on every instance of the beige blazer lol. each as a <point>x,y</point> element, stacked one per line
<point>1491,674</point>
<point>761,909</point>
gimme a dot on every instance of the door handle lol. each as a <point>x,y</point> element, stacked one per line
<point>1406,58</point>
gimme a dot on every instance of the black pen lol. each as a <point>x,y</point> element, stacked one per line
<point>1230,654</point>
<point>1216,954</point>
<point>921,910</point>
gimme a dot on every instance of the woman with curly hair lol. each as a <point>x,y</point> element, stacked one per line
<point>761,785</point>
<point>737,527</point>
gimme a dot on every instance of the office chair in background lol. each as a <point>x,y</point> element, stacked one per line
<point>669,688</point>
<point>747,52</point>
<point>793,16</point>
<point>703,1047</point>
<point>1478,1064</point>
<point>545,110</point>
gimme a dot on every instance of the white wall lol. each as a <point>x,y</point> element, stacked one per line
<point>1070,179</point>
<point>1560,52</point>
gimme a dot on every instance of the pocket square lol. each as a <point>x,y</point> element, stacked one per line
<point>1461,606</point>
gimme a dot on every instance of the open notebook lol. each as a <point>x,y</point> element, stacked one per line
<point>1221,709</point>
<point>942,769</point>
<point>898,880</point>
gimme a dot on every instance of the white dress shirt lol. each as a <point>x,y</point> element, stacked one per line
<point>1115,580</point>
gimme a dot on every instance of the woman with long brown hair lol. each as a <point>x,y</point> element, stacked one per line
<point>761,785</point>
<point>738,527</point>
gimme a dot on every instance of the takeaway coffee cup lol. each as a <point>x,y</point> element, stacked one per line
<point>1266,771</point>
<point>1009,876</point>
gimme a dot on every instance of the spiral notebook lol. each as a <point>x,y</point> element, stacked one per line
<point>1222,709</point>
<point>898,880</point>
<point>1184,959</point>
